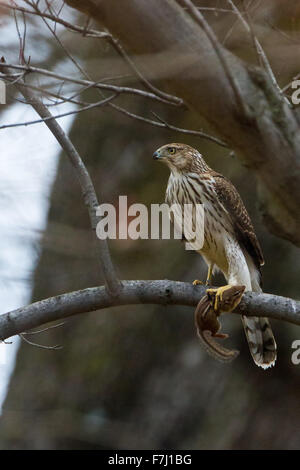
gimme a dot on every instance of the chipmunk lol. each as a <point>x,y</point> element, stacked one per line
<point>207,323</point>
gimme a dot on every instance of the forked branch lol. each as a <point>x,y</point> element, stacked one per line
<point>86,184</point>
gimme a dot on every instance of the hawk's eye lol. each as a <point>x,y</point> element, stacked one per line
<point>171,150</point>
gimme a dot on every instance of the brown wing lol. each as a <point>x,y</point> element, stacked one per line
<point>230,199</point>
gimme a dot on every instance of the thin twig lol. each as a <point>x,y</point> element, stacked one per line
<point>87,187</point>
<point>258,46</point>
<point>167,125</point>
<point>43,329</point>
<point>102,35</point>
<point>36,101</point>
<point>89,83</point>
<point>119,48</point>
<point>58,96</point>
<point>199,18</point>
<point>73,27</point>
<point>41,346</point>
<point>164,125</point>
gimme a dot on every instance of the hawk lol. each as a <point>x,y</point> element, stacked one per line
<point>230,244</point>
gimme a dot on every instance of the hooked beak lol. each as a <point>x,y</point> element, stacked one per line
<point>156,155</point>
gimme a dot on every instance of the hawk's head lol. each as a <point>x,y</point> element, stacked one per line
<point>181,158</point>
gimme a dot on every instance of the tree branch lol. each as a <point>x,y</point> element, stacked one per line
<point>89,83</point>
<point>73,27</point>
<point>98,104</point>
<point>199,18</point>
<point>87,187</point>
<point>259,49</point>
<point>162,292</point>
<point>105,101</point>
<point>170,99</point>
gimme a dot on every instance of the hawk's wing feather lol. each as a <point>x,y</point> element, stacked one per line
<point>233,204</point>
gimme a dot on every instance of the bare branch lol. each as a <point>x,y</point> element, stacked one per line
<point>58,96</point>
<point>98,104</point>
<point>258,47</point>
<point>163,124</point>
<point>87,187</point>
<point>73,27</point>
<point>37,332</point>
<point>89,83</point>
<point>170,99</point>
<point>107,101</point>
<point>162,292</point>
<point>119,48</point>
<point>41,346</point>
<point>197,15</point>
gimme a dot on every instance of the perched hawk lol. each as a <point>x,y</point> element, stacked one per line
<point>230,243</point>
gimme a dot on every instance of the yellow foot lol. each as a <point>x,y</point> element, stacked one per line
<point>196,282</point>
<point>226,298</point>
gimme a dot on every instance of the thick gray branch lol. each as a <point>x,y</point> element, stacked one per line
<point>162,292</point>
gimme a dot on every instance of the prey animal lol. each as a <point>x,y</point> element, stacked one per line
<point>207,321</point>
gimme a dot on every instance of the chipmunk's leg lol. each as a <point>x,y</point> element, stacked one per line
<point>221,335</point>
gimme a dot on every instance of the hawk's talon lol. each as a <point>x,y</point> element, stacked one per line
<point>218,293</point>
<point>207,283</point>
<point>196,282</point>
<point>225,298</point>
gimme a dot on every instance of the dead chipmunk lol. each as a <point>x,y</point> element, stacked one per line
<point>207,322</point>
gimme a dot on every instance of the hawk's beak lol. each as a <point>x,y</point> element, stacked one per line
<point>156,155</point>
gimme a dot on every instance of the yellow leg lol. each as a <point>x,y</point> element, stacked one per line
<point>219,292</point>
<point>196,282</point>
<point>226,298</point>
<point>209,274</point>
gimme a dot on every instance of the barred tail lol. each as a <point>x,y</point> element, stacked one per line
<point>258,330</point>
<point>261,341</point>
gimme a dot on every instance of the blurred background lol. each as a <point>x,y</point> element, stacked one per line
<point>131,377</point>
